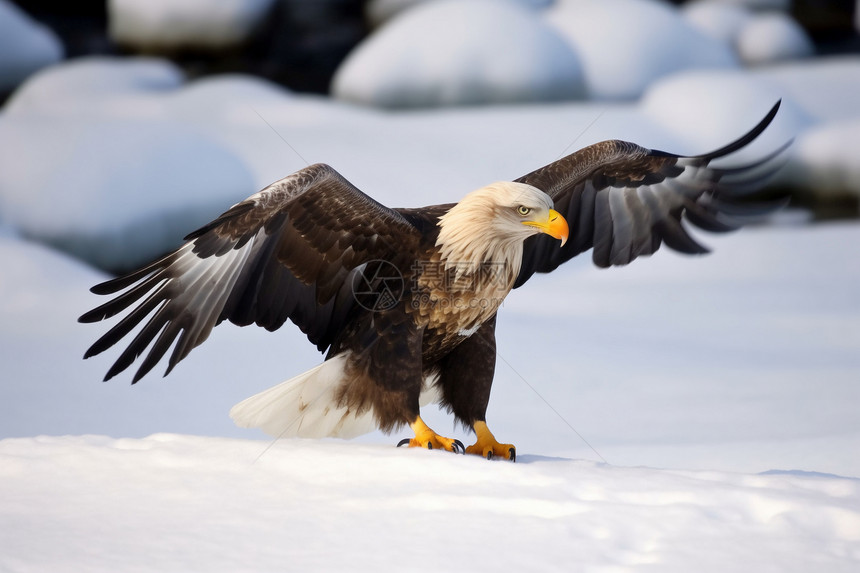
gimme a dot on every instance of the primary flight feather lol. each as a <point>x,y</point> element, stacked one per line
<point>403,301</point>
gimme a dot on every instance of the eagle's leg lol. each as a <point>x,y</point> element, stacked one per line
<point>487,445</point>
<point>425,437</point>
<point>466,376</point>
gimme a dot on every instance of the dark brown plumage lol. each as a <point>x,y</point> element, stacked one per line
<point>403,301</point>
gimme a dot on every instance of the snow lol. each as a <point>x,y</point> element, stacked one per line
<point>25,46</point>
<point>825,159</point>
<point>679,100</point>
<point>95,203</point>
<point>156,25</point>
<point>678,414</point>
<point>182,503</point>
<point>773,37</point>
<point>758,38</point>
<point>694,391</point>
<point>454,52</point>
<point>622,56</point>
<point>97,77</point>
<point>825,87</point>
<point>447,53</point>
<point>215,141</point>
<point>720,20</point>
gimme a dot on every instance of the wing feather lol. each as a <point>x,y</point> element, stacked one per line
<point>282,254</point>
<point>623,201</point>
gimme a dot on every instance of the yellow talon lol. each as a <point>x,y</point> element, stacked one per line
<point>427,438</point>
<point>487,446</point>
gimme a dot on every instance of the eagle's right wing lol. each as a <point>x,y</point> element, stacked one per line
<point>287,252</point>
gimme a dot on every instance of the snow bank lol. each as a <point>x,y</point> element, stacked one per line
<point>170,503</point>
<point>826,88</point>
<point>721,20</point>
<point>251,133</point>
<point>124,181</point>
<point>84,86</point>
<point>25,46</point>
<point>680,101</point>
<point>825,159</point>
<point>158,25</point>
<point>116,194</point>
<point>621,56</point>
<point>452,52</point>
<point>773,37</point>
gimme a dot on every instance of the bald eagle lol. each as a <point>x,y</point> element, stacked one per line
<point>403,301</point>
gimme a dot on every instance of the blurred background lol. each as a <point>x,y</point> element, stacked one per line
<point>125,124</point>
<point>186,71</point>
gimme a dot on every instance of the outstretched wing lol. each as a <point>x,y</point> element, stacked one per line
<point>624,200</point>
<point>287,252</point>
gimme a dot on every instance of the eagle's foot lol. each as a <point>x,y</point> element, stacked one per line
<point>488,447</point>
<point>428,439</point>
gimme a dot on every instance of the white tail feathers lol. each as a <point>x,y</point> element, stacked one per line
<point>306,407</point>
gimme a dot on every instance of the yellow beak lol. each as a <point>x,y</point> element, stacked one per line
<point>555,226</point>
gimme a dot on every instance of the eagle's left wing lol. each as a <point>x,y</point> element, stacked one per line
<point>624,200</point>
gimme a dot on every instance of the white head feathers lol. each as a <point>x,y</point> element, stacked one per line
<point>487,226</point>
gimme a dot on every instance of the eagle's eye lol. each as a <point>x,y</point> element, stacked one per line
<point>523,210</point>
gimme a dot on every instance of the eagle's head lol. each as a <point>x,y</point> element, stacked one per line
<point>491,223</point>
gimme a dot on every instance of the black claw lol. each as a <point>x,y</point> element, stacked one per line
<point>403,442</point>
<point>490,455</point>
<point>513,452</point>
<point>459,448</point>
<point>429,445</point>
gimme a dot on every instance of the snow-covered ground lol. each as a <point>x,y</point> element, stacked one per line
<point>183,503</point>
<point>679,414</point>
<point>719,367</point>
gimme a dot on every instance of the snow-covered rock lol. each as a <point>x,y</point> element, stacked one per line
<point>163,25</point>
<point>115,193</point>
<point>224,98</point>
<point>695,105</point>
<point>826,88</point>
<point>110,172</point>
<point>88,84</point>
<point>718,19</point>
<point>625,45</point>
<point>824,161</point>
<point>454,52</point>
<point>773,37</point>
<point>25,46</point>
